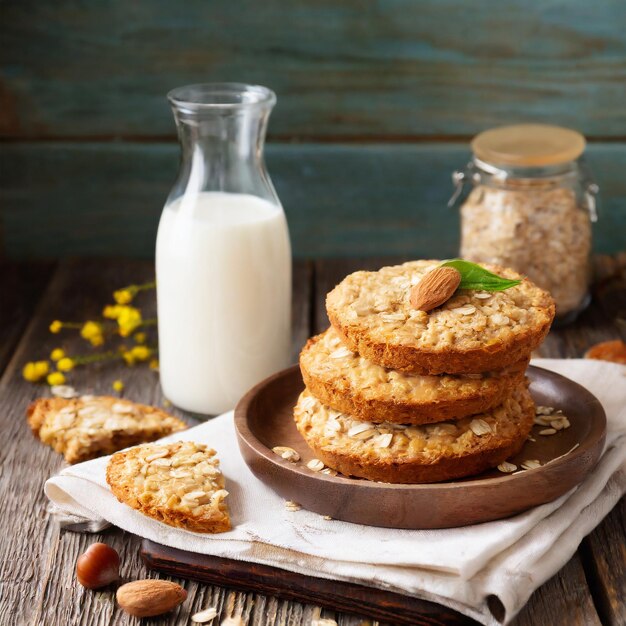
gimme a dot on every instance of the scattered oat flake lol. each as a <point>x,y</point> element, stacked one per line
<point>287,453</point>
<point>548,431</point>
<point>483,295</point>
<point>63,391</point>
<point>507,467</point>
<point>529,438</point>
<point>315,465</point>
<point>468,309</point>
<point>544,410</point>
<point>530,464</point>
<point>327,517</point>
<point>480,427</point>
<point>328,471</point>
<point>290,505</point>
<point>542,420</point>
<point>204,616</point>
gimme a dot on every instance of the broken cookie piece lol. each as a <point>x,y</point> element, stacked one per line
<point>91,426</point>
<point>179,484</point>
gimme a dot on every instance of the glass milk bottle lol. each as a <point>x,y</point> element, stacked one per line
<point>223,258</point>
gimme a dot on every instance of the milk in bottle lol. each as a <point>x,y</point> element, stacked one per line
<point>223,259</point>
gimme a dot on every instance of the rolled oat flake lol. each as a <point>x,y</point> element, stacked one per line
<point>530,207</point>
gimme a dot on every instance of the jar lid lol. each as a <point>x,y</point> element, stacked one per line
<point>528,145</point>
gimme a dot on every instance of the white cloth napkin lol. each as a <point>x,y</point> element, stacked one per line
<point>457,567</point>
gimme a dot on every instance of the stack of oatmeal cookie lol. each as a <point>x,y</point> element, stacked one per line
<point>402,395</point>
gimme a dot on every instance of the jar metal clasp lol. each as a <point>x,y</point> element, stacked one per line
<point>460,177</point>
<point>591,191</point>
<point>458,180</point>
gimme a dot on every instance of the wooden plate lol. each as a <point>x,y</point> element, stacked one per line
<point>263,419</point>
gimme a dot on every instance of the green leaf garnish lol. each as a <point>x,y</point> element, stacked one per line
<point>478,278</point>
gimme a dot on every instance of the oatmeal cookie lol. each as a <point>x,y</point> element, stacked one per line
<point>179,484</point>
<point>347,382</point>
<point>91,426</point>
<point>395,453</point>
<point>472,332</point>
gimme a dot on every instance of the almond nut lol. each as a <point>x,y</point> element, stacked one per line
<point>435,288</point>
<point>146,598</point>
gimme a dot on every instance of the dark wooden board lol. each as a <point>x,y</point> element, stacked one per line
<point>96,199</point>
<point>351,69</point>
<point>375,603</point>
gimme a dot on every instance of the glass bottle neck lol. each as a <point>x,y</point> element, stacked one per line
<point>221,130</point>
<point>234,135</point>
<point>222,151</point>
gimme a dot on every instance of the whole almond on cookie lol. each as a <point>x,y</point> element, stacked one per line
<point>435,288</point>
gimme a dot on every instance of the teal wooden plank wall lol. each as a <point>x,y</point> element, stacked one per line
<point>377,103</point>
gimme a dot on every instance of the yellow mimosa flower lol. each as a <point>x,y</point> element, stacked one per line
<point>123,296</point>
<point>57,354</point>
<point>141,353</point>
<point>35,371</point>
<point>92,332</point>
<point>128,319</point>
<point>56,378</point>
<point>111,311</point>
<point>65,364</point>
<point>140,337</point>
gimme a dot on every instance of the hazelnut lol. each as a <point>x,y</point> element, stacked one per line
<point>98,567</point>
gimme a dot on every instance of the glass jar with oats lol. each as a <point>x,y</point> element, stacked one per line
<point>530,207</point>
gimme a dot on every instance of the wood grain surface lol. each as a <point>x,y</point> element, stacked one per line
<point>68,199</point>
<point>393,68</point>
<point>37,560</point>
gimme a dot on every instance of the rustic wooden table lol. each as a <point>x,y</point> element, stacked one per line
<point>37,559</point>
